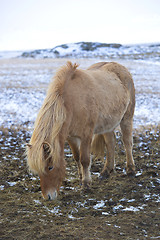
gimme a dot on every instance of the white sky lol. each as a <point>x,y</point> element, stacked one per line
<point>34,24</point>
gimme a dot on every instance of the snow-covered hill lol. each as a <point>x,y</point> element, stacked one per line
<point>95,49</point>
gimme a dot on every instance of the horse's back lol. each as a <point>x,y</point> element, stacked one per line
<point>125,77</point>
<point>96,97</point>
<point>121,71</point>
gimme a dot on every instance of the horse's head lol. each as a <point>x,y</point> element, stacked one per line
<point>52,176</point>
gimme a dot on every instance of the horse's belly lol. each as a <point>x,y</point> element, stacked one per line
<point>106,125</point>
<point>108,120</point>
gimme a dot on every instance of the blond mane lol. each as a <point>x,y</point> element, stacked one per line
<point>49,122</point>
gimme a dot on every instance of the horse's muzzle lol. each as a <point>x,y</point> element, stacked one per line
<point>51,195</point>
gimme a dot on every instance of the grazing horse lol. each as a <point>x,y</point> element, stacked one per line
<point>82,107</point>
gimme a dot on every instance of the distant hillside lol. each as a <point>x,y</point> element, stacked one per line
<point>96,49</point>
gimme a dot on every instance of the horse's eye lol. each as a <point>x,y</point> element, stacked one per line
<point>50,168</point>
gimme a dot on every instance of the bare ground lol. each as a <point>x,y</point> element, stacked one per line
<point>121,207</point>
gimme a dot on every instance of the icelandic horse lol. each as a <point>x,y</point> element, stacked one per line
<point>82,107</point>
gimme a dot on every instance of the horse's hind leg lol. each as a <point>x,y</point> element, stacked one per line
<point>74,143</point>
<point>85,161</point>
<point>126,127</point>
<point>110,155</point>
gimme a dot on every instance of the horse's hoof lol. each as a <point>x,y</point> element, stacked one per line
<point>131,171</point>
<point>85,186</point>
<point>105,174</point>
<point>80,182</point>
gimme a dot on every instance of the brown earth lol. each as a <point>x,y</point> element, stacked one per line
<point>121,207</point>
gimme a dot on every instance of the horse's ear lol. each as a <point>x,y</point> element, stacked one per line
<point>29,145</point>
<point>46,147</point>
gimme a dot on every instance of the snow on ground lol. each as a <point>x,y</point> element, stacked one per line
<point>24,81</point>
<point>10,54</point>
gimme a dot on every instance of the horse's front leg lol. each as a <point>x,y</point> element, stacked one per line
<point>74,143</point>
<point>85,161</point>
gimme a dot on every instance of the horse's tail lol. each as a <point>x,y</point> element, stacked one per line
<point>98,145</point>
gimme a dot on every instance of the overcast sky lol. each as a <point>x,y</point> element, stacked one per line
<point>34,24</point>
